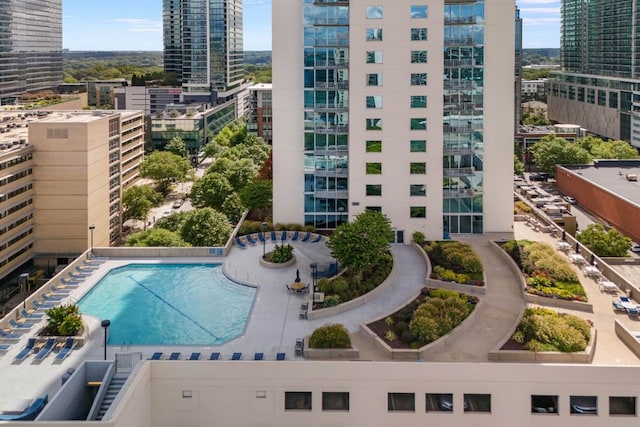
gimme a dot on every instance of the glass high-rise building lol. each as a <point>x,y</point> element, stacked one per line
<point>599,85</point>
<point>399,106</point>
<point>30,46</point>
<point>203,43</point>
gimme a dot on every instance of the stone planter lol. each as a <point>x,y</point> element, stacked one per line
<point>269,264</point>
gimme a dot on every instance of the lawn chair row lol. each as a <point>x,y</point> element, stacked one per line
<point>213,356</point>
<point>41,352</point>
<point>278,237</point>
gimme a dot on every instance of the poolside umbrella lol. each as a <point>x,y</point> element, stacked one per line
<point>297,275</point>
<point>564,236</point>
<point>577,247</point>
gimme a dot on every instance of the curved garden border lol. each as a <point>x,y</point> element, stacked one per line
<point>274,265</point>
<point>536,299</point>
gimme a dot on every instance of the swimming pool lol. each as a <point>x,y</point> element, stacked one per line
<point>170,304</point>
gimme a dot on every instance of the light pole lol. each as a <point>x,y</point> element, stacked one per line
<point>24,280</point>
<point>105,324</point>
<point>314,275</point>
<point>91,228</point>
<point>263,227</point>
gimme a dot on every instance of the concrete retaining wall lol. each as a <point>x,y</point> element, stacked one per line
<point>459,287</point>
<point>628,337</point>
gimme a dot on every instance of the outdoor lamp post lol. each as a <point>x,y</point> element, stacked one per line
<point>314,275</point>
<point>263,227</point>
<point>24,280</point>
<point>105,324</point>
<point>91,228</point>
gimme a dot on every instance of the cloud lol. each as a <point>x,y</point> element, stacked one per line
<point>541,20</point>
<point>543,10</point>
<point>140,25</point>
<point>556,2</point>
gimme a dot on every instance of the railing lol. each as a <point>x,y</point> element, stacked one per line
<point>465,41</point>
<point>459,19</point>
<point>457,172</point>
<point>331,129</point>
<point>321,63</point>
<point>331,172</point>
<point>332,85</point>
<point>332,194</point>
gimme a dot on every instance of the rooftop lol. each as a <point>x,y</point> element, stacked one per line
<point>611,175</point>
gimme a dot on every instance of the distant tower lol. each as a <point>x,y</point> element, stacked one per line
<point>203,43</point>
<point>518,71</point>
<point>30,46</point>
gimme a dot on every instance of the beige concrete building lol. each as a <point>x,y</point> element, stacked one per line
<point>61,173</point>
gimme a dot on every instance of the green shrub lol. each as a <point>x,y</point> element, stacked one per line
<point>441,311</point>
<point>542,329</point>
<point>458,257</point>
<point>331,300</point>
<point>330,336</point>
<point>64,320</point>
<point>250,227</point>
<point>281,254</point>
<point>418,237</point>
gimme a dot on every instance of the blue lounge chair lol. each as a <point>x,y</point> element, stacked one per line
<point>156,356</point>
<point>306,237</point>
<point>20,326</point>
<point>295,236</point>
<point>240,243</point>
<point>10,336</point>
<point>59,290</point>
<point>236,356</point>
<point>92,257</point>
<point>87,267</point>
<point>5,347</point>
<point>70,282</point>
<point>317,239</point>
<point>258,356</point>
<point>85,273</point>
<point>174,356</point>
<point>194,356</point>
<point>250,239</point>
<point>283,236</point>
<point>31,315</point>
<point>78,276</point>
<point>214,356</point>
<point>40,306</point>
<point>52,297</point>
<point>28,414</point>
<point>281,356</point>
<point>274,236</point>
<point>46,349</point>
<point>261,237</point>
<point>26,351</point>
<point>69,344</point>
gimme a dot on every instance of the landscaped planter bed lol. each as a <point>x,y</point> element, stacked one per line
<point>453,261</point>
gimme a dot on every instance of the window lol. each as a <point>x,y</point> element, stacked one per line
<point>418,101</point>
<point>374,124</point>
<point>418,34</point>
<point>418,190</point>
<point>374,101</point>
<point>419,123</point>
<point>374,12</point>
<point>602,98</point>
<point>613,99</point>
<point>374,208</point>
<point>374,79</point>
<point>418,56</point>
<point>418,11</point>
<point>439,402</point>
<point>418,212</point>
<point>374,190</point>
<point>418,79</point>
<point>583,405</point>
<point>622,405</point>
<point>374,34</point>
<point>335,401</point>
<point>297,400</point>
<point>418,168</point>
<point>374,57</point>
<point>544,404</point>
<point>401,402</point>
<point>477,403</point>
<point>374,146</point>
<point>418,146</point>
<point>374,168</point>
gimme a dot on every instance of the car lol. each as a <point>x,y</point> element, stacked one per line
<point>635,247</point>
<point>167,213</point>
<point>538,177</point>
<point>177,204</point>
<point>569,199</point>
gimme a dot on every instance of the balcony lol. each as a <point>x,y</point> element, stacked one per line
<point>460,41</point>
<point>337,172</point>
<point>459,193</point>
<point>457,151</point>
<point>331,194</point>
<point>336,108</point>
<point>332,85</point>
<point>457,172</point>
<point>332,151</point>
<point>331,129</point>
<point>457,20</point>
<point>337,64</point>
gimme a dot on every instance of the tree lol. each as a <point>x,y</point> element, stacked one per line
<point>138,200</point>
<point>238,172</point>
<point>257,194</point>
<point>206,227</point>
<point>552,151</point>
<point>173,222</point>
<point>604,243</point>
<point>164,167</point>
<point>361,244</point>
<point>233,207</point>
<point>177,147</point>
<point>614,150</point>
<point>210,191</point>
<point>518,166</point>
<point>156,237</point>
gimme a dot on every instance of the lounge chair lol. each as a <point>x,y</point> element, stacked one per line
<point>87,267</point>
<point>261,237</point>
<point>317,239</point>
<point>46,349</point>
<point>156,356</point>
<point>83,272</point>
<point>10,336</point>
<point>250,239</point>
<point>174,356</point>
<point>5,347</point>
<point>281,356</point>
<point>240,243</point>
<point>69,282</point>
<point>28,414</point>
<point>40,306</point>
<point>52,297</point>
<point>274,236</point>
<point>258,356</point>
<point>214,356</point>
<point>26,351</point>
<point>92,257</point>
<point>69,344</point>
<point>236,356</point>
<point>194,356</point>
<point>78,276</point>
<point>20,326</point>
<point>59,290</point>
<point>283,236</point>
<point>31,315</point>
<point>295,236</point>
<point>306,237</point>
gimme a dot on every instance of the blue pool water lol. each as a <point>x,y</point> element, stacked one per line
<point>170,304</point>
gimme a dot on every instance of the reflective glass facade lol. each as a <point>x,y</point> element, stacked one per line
<point>30,46</point>
<point>326,112</point>
<point>203,43</point>
<point>463,136</point>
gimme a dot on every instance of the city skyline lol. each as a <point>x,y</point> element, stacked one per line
<point>138,25</point>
